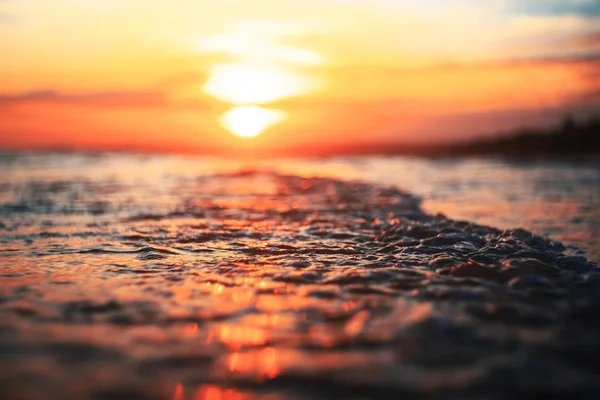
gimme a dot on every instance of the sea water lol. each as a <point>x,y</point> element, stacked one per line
<point>171,277</point>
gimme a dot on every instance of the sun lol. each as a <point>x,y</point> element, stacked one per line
<point>261,72</point>
<point>252,84</point>
<point>250,121</point>
<point>248,86</point>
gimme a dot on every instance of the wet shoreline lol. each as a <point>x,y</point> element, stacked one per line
<point>257,284</point>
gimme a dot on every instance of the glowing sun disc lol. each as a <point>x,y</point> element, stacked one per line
<point>250,121</point>
<point>248,84</point>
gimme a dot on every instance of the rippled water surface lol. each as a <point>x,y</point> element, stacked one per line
<point>192,278</point>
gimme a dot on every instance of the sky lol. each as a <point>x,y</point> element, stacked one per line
<point>233,75</point>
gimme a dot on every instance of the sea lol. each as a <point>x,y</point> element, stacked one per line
<point>192,277</point>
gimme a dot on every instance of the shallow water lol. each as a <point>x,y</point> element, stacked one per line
<point>183,278</point>
<point>555,199</point>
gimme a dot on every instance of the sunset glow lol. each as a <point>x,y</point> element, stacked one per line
<point>342,72</point>
<point>252,84</point>
<point>299,199</point>
<point>261,74</point>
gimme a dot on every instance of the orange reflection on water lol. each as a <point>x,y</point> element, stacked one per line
<point>210,336</point>
<point>191,329</point>
<point>323,336</point>
<point>216,288</point>
<point>181,294</point>
<point>242,297</point>
<point>349,306</point>
<point>264,320</point>
<point>237,337</point>
<point>263,363</point>
<point>212,392</point>
<point>178,395</point>
<point>276,303</point>
<point>356,325</point>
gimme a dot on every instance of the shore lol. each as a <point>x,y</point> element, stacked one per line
<point>130,279</point>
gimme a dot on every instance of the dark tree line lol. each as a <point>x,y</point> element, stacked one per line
<point>569,138</point>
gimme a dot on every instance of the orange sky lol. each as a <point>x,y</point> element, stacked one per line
<point>193,75</point>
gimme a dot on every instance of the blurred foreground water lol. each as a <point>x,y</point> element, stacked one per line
<point>191,278</point>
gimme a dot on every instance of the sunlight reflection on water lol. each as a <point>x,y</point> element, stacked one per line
<point>176,272</point>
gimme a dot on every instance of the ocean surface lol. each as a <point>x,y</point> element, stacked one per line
<point>176,277</point>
